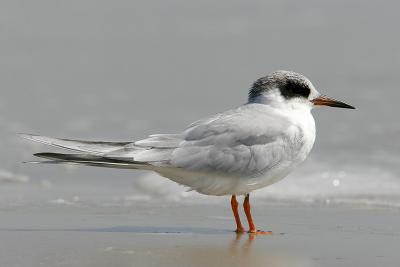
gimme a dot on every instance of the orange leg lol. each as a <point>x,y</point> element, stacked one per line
<point>252,227</point>
<point>235,204</point>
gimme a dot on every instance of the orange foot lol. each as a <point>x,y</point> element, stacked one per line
<point>240,231</point>
<point>259,232</point>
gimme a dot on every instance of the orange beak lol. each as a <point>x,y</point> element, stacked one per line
<point>326,101</point>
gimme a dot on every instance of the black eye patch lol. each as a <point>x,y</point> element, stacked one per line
<point>295,89</point>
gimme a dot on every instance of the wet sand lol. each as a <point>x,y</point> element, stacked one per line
<point>195,235</point>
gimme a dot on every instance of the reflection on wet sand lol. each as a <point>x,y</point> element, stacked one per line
<point>167,247</point>
<point>235,243</point>
<point>215,250</point>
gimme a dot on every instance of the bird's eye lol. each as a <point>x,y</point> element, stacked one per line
<point>295,89</point>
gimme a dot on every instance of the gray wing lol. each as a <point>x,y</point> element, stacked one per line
<point>243,141</point>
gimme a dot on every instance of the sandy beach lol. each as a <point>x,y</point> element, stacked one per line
<point>198,235</point>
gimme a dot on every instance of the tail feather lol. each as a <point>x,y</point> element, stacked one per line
<point>90,160</point>
<point>109,154</point>
<point>94,147</point>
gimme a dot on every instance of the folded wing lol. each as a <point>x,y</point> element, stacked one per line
<point>242,141</point>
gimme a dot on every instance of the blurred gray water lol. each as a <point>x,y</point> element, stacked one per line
<point>120,70</point>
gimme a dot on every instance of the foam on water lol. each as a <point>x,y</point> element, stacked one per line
<point>314,183</point>
<point>10,177</point>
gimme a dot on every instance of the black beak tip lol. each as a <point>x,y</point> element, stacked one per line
<point>349,107</point>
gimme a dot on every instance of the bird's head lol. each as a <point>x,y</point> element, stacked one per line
<point>290,89</point>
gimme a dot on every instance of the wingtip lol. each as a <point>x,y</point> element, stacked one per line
<point>43,155</point>
<point>49,162</point>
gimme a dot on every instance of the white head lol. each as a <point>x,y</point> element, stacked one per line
<point>289,89</point>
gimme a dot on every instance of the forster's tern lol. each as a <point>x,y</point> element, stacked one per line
<point>230,153</point>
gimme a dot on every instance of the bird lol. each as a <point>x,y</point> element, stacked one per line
<point>231,153</point>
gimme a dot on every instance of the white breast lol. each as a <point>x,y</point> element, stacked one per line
<point>298,143</point>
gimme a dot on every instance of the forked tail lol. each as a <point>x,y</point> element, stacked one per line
<point>93,153</point>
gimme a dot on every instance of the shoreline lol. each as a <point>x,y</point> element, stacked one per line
<point>199,236</point>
